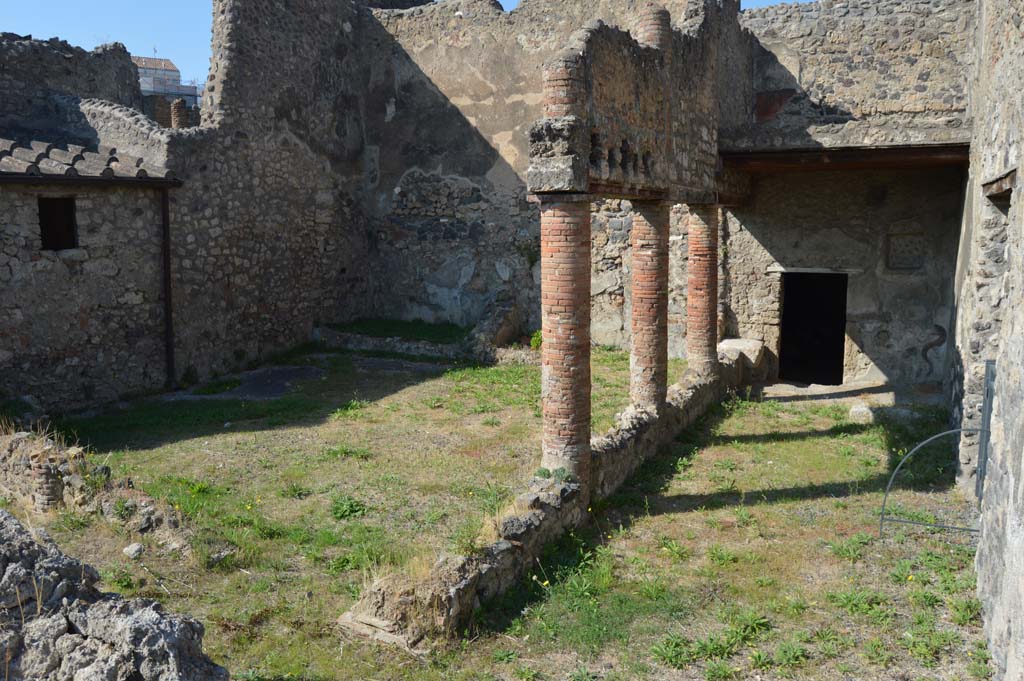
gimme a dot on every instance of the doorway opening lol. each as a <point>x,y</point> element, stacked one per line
<point>813,340</point>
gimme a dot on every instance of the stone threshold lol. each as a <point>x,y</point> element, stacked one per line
<point>357,342</point>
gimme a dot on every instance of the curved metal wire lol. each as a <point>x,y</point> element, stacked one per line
<point>882,519</point>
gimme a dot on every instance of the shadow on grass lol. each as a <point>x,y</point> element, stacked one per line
<point>932,470</point>
<point>154,421</point>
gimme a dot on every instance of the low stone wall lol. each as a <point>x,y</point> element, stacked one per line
<point>400,611</point>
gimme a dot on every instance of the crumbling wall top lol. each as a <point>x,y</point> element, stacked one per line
<point>36,70</point>
<point>627,117</point>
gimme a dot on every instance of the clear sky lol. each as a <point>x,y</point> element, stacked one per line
<point>178,30</point>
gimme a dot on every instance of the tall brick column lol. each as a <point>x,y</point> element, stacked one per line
<point>648,361</point>
<point>702,290</point>
<point>565,317</point>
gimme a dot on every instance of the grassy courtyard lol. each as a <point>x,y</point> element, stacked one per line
<point>748,549</point>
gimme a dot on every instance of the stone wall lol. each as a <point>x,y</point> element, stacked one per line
<point>611,283</point>
<point>83,325</point>
<point>995,235</point>
<point>158,108</point>
<point>448,115</point>
<point>267,235</point>
<point>339,142</point>
<point>858,73</point>
<point>899,314</point>
<point>31,71</point>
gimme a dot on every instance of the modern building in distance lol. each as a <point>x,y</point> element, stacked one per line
<point>161,77</point>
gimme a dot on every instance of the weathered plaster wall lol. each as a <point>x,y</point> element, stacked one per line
<point>863,222</point>
<point>447,119</point>
<point>997,236</point>
<point>33,70</point>
<point>86,324</point>
<point>858,73</point>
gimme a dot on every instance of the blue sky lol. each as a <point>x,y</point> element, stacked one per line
<point>179,30</point>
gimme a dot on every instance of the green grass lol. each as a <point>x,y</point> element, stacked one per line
<point>149,420</point>
<point>795,580</point>
<point>346,452</point>
<point>444,334</point>
<point>217,387</point>
<point>748,544</point>
<point>11,409</point>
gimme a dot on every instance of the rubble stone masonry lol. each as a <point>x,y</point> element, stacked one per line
<point>83,325</point>
<point>997,100</point>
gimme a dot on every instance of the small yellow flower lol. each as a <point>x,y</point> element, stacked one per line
<point>910,578</point>
<point>546,583</point>
<point>248,507</point>
<point>589,509</point>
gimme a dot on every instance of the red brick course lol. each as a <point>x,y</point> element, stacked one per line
<point>655,28</point>
<point>702,290</point>
<point>565,354</point>
<point>564,88</point>
<point>649,356</point>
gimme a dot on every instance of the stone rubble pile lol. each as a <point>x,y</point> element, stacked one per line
<point>56,626</point>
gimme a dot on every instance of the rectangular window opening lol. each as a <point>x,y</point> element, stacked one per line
<point>57,225</point>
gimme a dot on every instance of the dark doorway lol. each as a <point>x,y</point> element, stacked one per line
<point>813,328</point>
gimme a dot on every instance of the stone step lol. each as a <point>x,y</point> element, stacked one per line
<point>357,342</point>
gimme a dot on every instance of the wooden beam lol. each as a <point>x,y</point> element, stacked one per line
<point>847,158</point>
<point>1001,187</point>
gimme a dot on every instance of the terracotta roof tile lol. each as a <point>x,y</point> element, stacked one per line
<point>36,158</point>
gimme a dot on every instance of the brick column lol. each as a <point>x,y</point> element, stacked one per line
<point>565,316</point>
<point>654,29</point>
<point>179,114</point>
<point>648,360</point>
<point>563,88</point>
<point>702,290</point>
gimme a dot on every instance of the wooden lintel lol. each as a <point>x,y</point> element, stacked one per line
<point>731,200</point>
<point>555,197</point>
<point>612,191</point>
<point>1001,187</point>
<point>847,158</point>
